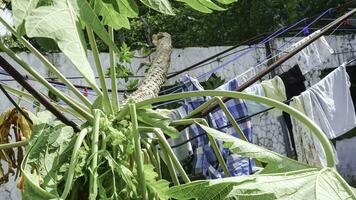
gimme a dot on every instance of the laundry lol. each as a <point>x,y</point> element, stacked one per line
<point>329,104</point>
<point>205,161</point>
<point>186,150</point>
<point>267,130</point>
<point>293,80</point>
<point>314,54</point>
<point>253,106</point>
<point>274,89</point>
<point>306,144</point>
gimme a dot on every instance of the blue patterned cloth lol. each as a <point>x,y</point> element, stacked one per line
<point>205,161</point>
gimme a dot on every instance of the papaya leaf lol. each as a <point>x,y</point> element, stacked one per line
<point>157,187</point>
<point>289,179</point>
<point>155,119</point>
<point>21,9</point>
<point>211,5</point>
<point>275,163</point>
<point>128,8</point>
<point>226,1</point>
<point>315,184</point>
<point>162,6</point>
<point>60,23</point>
<point>111,16</point>
<point>201,190</point>
<point>89,17</point>
<point>197,5</point>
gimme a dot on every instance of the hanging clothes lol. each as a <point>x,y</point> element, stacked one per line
<point>205,161</point>
<point>314,54</point>
<point>184,151</point>
<point>329,104</point>
<point>306,145</point>
<point>253,106</point>
<point>274,89</point>
<point>293,80</point>
<point>267,130</point>
<point>248,74</point>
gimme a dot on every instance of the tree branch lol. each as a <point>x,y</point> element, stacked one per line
<point>156,74</point>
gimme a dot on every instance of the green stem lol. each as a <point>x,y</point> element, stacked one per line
<point>231,119</point>
<point>93,182</point>
<point>169,150</point>
<point>158,159</point>
<point>48,64</point>
<point>234,124</point>
<point>315,130</point>
<point>13,145</point>
<point>114,94</point>
<point>200,108</point>
<point>150,154</point>
<point>73,163</point>
<point>212,141</point>
<point>71,102</point>
<point>124,111</point>
<point>99,69</point>
<point>137,152</point>
<point>170,166</point>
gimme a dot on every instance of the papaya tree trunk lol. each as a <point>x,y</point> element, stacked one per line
<point>156,74</point>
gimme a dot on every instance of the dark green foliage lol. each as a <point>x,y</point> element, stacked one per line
<point>243,20</point>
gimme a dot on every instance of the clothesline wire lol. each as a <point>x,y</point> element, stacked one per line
<point>268,57</point>
<point>243,119</point>
<point>250,49</point>
<point>275,34</point>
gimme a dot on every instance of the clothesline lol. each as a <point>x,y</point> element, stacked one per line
<point>250,49</point>
<point>274,35</point>
<point>239,120</point>
<point>269,57</point>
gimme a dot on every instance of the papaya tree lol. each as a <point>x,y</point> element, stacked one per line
<point>115,154</point>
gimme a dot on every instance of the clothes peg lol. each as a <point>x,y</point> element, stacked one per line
<point>85,92</point>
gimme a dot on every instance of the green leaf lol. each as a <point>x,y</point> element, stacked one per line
<point>304,184</point>
<point>201,190</point>
<point>162,6</point>
<point>275,162</point>
<point>226,1</point>
<point>157,187</point>
<point>60,23</point>
<point>110,16</point>
<point>47,158</point>
<point>197,6</point>
<point>21,9</point>
<point>122,171</point>
<point>155,119</point>
<point>89,17</point>
<point>132,84</point>
<point>128,8</point>
<point>98,103</point>
<point>211,5</point>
